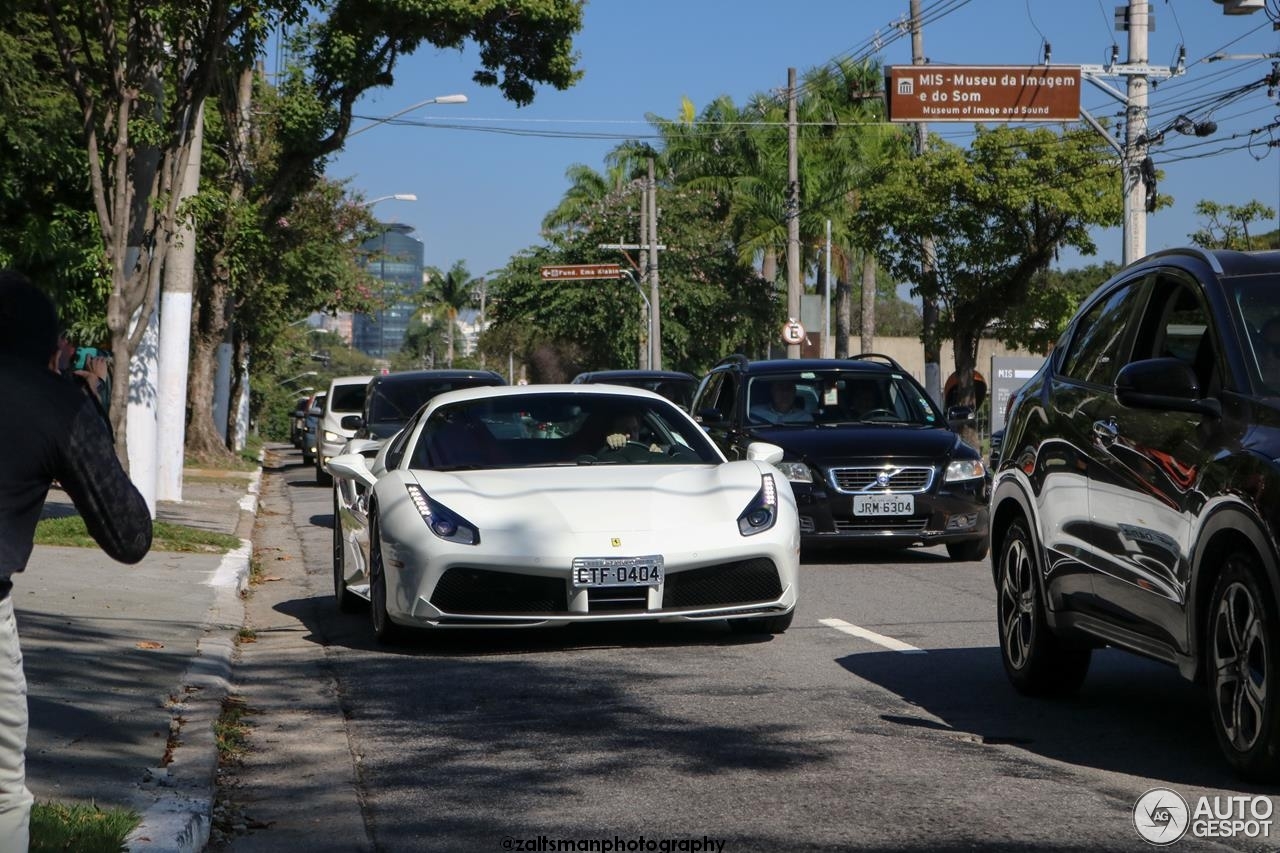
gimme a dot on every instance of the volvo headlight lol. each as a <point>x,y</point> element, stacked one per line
<point>795,472</point>
<point>441,520</point>
<point>965,469</point>
<point>762,512</point>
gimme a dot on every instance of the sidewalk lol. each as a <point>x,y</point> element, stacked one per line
<point>127,666</point>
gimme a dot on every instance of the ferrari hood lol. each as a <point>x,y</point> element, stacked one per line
<point>585,499</point>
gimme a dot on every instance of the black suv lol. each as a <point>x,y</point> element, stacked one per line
<point>675,385</point>
<point>870,457</point>
<point>1137,500</point>
<point>392,398</point>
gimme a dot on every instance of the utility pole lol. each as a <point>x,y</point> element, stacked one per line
<point>646,347</point>
<point>1137,173</point>
<point>793,211</point>
<point>1135,135</point>
<point>929,308</point>
<point>655,316</point>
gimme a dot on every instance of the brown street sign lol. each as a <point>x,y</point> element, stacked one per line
<point>986,93</point>
<point>577,272</point>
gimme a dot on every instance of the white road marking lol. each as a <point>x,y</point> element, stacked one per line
<point>878,639</point>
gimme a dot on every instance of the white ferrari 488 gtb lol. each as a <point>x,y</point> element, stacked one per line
<point>552,504</point>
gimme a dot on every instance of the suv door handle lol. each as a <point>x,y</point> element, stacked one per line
<point>1106,431</point>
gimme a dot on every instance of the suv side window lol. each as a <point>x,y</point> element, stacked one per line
<point>1096,351</point>
<point>1176,325</point>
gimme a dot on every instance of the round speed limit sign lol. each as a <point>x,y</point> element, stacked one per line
<point>792,332</point>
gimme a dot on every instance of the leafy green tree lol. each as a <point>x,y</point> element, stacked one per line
<point>1227,225</point>
<point>712,302</point>
<point>139,77</point>
<point>47,225</point>
<point>998,212</point>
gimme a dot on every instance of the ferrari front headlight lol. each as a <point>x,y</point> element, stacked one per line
<point>762,512</point>
<point>441,520</point>
<point>965,469</point>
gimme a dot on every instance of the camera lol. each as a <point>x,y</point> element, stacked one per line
<point>83,354</point>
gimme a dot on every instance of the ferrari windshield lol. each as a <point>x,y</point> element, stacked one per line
<point>557,428</point>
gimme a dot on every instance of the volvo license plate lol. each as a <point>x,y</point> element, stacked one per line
<point>617,571</point>
<point>884,504</point>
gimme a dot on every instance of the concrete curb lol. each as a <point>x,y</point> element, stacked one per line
<point>180,819</point>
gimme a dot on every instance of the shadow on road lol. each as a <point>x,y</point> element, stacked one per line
<point>1132,715</point>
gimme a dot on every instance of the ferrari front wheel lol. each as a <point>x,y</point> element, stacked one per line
<point>347,601</point>
<point>384,630</point>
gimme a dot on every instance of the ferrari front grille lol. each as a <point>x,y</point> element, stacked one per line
<point>727,583</point>
<point>463,590</point>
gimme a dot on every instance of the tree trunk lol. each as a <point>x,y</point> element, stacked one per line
<point>844,317</point>
<point>868,302</point>
<point>208,330</point>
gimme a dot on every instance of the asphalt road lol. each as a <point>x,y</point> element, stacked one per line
<point>881,721</point>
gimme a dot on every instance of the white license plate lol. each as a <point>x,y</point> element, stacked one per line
<point>884,504</point>
<point>617,571</point>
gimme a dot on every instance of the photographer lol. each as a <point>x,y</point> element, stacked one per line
<point>67,440</point>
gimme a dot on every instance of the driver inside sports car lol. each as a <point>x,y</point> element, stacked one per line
<point>625,430</point>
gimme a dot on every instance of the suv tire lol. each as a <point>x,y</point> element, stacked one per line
<point>967,552</point>
<point>1239,656</point>
<point>1036,661</point>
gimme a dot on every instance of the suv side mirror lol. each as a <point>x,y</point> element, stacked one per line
<point>1163,384</point>
<point>352,422</point>
<point>710,417</point>
<point>315,412</point>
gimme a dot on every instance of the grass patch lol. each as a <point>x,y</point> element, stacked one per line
<point>246,635</point>
<point>78,828</point>
<point>231,732</point>
<point>165,536</point>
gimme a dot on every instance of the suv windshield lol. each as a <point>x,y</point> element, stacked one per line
<point>837,396</point>
<point>397,401</point>
<point>1256,306</point>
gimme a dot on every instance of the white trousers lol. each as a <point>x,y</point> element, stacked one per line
<point>15,799</point>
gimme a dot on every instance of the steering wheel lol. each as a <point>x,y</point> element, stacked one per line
<point>878,413</point>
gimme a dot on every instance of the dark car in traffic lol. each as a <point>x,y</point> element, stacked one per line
<point>677,386</point>
<point>392,398</point>
<point>870,458</point>
<point>1137,499</point>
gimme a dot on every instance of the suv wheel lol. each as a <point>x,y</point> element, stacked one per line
<point>323,477</point>
<point>1239,650</point>
<point>1036,661</point>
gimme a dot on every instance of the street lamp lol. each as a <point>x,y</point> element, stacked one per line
<point>648,310</point>
<point>443,99</point>
<point>299,376</point>
<point>396,197</point>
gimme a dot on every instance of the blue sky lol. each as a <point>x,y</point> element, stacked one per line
<point>486,172</point>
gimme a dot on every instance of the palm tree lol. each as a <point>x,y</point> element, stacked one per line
<point>444,295</point>
<point>842,140</point>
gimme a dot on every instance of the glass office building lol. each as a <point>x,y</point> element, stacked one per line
<point>396,259</point>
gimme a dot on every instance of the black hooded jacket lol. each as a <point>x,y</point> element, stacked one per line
<point>60,434</point>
